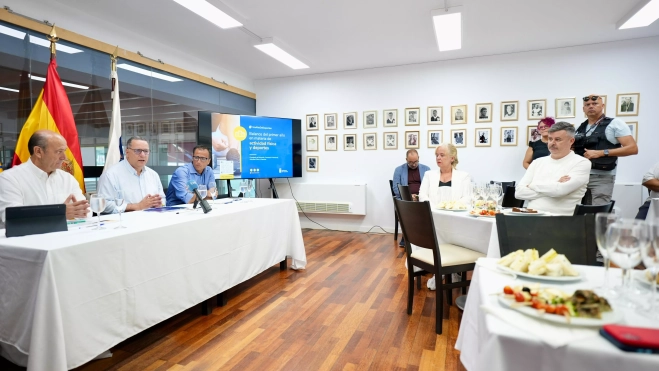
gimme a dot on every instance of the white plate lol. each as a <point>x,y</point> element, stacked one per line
<point>541,278</point>
<point>451,209</point>
<point>642,278</point>
<point>607,317</point>
<point>481,216</point>
<point>539,213</point>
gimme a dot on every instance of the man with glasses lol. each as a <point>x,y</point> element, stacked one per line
<point>602,140</point>
<point>198,172</point>
<point>409,174</point>
<point>141,185</point>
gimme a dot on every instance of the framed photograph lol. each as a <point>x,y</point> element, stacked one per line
<point>330,142</point>
<point>533,134</point>
<point>411,139</point>
<point>349,142</point>
<point>459,114</point>
<point>633,127</point>
<point>510,110</point>
<point>603,104</point>
<point>166,127</point>
<point>390,140</point>
<point>435,138</point>
<point>435,115</point>
<point>140,129</point>
<point>155,128</point>
<point>627,104</point>
<point>536,109</point>
<point>350,120</point>
<point>312,163</point>
<point>370,119</point>
<point>483,112</point>
<point>412,116</point>
<point>565,108</point>
<point>312,143</point>
<point>508,136</point>
<point>128,130</point>
<point>459,137</point>
<point>390,117</point>
<point>370,141</point>
<point>483,137</point>
<point>330,121</point>
<point>179,127</point>
<point>312,122</point>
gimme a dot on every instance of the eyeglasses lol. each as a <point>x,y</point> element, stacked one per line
<point>202,159</point>
<point>413,163</point>
<point>139,151</point>
<point>591,97</point>
<point>541,127</point>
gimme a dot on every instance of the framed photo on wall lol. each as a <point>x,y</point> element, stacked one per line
<point>370,119</point>
<point>411,139</point>
<point>483,137</point>
<point>350,120</point>
<point>533,134</point>
<point>536,109</point>
<point>565,108</point>
<point>483,112</point>
<point>390,140</point>
<point>312,143</point>
<point>412,116</point>
<point>459,114</point>
<point>459,137</point>
<point>508,136</point>
<point>628,104</point>
<point>370,141</point>
<point>435,115</point>
<point>390,117</point>
<point>330,121</point>
<point>312,163</point>
<point>633,127</point>
<point>312,122</point>
<point>435,138</point>
<point>603,104</point>
<point>128,130</point>
<point>330,142</point>
<point>510,110</point>
<point>349,142</point>
<point>140,129</point>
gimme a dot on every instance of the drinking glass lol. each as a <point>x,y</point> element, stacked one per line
<point>250,186</point>
<point>243,188</point>
<point>213,192</point>
<point>650,256</point>
<point>118,201</point>
<point>496,192</point>
<point>203,191</point>
<point>625,239</point>
<point>602,222</point>
<point>97,204</point>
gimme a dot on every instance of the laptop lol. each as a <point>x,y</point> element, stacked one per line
<point>28,220</point>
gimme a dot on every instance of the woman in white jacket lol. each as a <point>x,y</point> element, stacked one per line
<point>447,184</point>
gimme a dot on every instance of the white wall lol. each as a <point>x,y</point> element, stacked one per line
<point>609,68</point>
<point>102,29</point>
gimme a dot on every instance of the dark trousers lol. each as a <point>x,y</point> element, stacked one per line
<point>643,210</point>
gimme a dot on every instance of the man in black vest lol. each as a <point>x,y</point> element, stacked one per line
<point>602,140</point>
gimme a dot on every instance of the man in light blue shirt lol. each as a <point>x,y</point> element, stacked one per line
<point>198,172</point>
<point>141,185</point>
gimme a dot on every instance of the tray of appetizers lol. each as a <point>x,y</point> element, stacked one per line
<point>551,266</point>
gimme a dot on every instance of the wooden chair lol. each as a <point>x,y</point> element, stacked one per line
<point>504,185</point>
<point>572,236</point>
<point>418,229</point>
<point>509,199</point>
<point>587,197</point>
<point>404,191</point>
<point>391,188</point>
<point>593,209</point>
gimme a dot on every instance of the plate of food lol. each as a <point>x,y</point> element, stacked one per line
<point>452,206</point>
<point>644,277</point>
<point>525,211</point>
<point>581,308</point>
<point>483,213</point>
<point>551,266</point>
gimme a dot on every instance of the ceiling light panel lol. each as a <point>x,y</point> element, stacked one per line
<point>211,13</point>
<point>448,28</point>
<point>642,15</point>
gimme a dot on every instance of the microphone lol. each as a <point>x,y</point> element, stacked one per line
<point>192,185</point>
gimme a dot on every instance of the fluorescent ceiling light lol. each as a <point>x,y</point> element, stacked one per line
<point>8,89</point>
<point>146,72</point>
<point>268,47</point>
<point>38,78</point>
<point>448,28</point>
<point>642,15</point>
<point>60,47</point>
<point>210,12</point>
<point>11,32</point>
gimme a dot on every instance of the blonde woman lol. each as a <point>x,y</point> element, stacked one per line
<point>447,184</point>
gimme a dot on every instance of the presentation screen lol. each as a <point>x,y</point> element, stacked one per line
<point>252,147</point>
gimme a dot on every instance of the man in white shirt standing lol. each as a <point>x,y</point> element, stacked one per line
<point>556,183</point>
<point>39,181</point>
<point>141,185</point>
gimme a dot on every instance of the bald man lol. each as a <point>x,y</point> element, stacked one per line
<point>39,181</point>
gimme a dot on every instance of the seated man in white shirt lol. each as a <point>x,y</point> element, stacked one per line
<point>141,185</point>
<point>556,183</point>
<point>39,181</point>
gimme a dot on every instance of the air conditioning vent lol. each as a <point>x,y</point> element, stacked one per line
<point>325,207</point>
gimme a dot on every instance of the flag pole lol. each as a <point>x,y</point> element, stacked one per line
<point>113,57</point>
<point>52,37</point>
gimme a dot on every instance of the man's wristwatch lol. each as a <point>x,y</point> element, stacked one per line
<point>606,153</point>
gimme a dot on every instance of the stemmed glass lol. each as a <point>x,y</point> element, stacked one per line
<point>625,239</point>
<point>213,192</point>
<point>650,256</point>
<point>118,201</point>
<point>203,191</point>
<point>97,204</point>
<point>243,188</point>
<point>250,186</point>
<point>496,192</point>
<point>475,194</point>
<point>602,222</point>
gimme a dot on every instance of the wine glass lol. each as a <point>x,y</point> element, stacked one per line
<point>118,201</point>
<point>602,222</point>
<point>213,192</point>
<point>203,191</point>
<point>625,238</point>
<point>97,204</point>
<point>650,256</point>
<point>243,188</point>
<point>496,192</point>
<point>250,186</point>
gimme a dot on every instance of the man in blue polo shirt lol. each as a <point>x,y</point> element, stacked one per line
<point>410,174</point>
<point>198,172</point>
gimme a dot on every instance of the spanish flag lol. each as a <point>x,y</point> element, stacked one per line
<point>52,111</point>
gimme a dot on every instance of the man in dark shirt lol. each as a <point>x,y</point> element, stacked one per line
<point>409,174</point>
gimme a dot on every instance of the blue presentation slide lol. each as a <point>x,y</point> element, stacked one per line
<point>266,151</point>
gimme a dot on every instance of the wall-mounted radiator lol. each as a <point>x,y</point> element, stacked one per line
<point>326,198</point>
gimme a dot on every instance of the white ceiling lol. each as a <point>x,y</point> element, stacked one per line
<point>341,35</point>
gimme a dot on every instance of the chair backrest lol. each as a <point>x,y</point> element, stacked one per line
<point>504,185</point>
<point>509,199</point>
<point>593,209</point>
<point>587,198</point>
<point>404,191</point>
<point>572,236</point>
<point>418,226</point>
<point>391,187</point>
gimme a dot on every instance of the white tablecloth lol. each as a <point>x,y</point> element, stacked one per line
<point>488,343</point>
<point>67,297</point>
<point>461,229</point>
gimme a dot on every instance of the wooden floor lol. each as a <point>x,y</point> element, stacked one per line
<point>346,311</point>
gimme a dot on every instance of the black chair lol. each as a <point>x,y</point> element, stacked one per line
<point>509,199</point>
<point>404,191</point>
<point>593,209</point>
<point>587,197</point>
<point>419,229</point>
<point>391,188</point>
<point>504,185</point>
<point>572,236</point>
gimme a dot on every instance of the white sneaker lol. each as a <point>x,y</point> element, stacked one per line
<point>455,277</point>
<point>431,284</point>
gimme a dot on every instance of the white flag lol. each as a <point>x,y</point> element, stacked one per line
<point>115,150</point>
